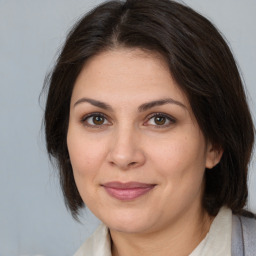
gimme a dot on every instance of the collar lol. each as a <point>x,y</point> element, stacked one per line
<point>218,240</point>
<point>216,243</point>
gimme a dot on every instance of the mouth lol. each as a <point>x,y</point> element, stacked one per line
<point>127,191</point>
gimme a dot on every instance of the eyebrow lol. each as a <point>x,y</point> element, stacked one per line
<point>144,107</point>
<point>96,103</point>
<point>160,102</point>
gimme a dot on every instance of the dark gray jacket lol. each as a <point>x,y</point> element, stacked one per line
<point>243,236</point>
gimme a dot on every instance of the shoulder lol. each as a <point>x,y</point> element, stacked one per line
<point>96,245</point>
<point>243,235</point>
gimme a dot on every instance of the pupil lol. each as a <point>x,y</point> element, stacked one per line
<point>160,120</point>
<point>98,120</point>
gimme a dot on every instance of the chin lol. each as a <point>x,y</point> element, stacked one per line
<point>129,228</point>
<point>130,222</point>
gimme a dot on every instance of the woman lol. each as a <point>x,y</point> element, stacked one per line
<point>147,119</point>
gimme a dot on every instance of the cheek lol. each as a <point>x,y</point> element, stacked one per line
<point>181,165</point>
<point>180,157</point>
<point>85,161</point>
<point>85,154</point>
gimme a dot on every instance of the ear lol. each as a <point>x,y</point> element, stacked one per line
<point>213,155</point>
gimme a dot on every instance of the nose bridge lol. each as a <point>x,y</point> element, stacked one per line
<point>126,150</point>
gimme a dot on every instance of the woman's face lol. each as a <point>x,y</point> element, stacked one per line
<point>137,153</point>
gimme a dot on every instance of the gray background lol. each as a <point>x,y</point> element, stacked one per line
<point>33,218</point>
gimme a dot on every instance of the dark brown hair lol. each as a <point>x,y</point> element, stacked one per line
<point>201,63</point>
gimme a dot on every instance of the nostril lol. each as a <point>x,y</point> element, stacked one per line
<point>132,163</point>
<point>112,163</point>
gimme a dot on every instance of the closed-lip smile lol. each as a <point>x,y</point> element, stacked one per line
<point>127,191</point>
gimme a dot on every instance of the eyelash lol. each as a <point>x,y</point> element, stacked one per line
<point>85,118</point>
<point>168,118</point>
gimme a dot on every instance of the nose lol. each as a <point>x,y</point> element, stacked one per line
<point>126,151</point>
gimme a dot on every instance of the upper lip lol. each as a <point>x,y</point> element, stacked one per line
<point>127,185</point>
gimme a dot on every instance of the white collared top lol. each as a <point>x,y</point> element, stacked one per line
<point>216,243</point>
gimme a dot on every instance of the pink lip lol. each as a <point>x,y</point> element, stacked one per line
<point>127,191</point>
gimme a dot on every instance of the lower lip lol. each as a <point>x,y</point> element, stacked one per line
<point>126,194</point>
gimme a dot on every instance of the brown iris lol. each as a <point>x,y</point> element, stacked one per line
<point>160,120</point>
<point>98,120</point>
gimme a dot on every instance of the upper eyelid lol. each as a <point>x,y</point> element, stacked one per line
<point>94,114</point>
<point>161,114</point>
<point>148,116</point>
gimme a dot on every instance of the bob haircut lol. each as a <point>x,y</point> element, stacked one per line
<point>199,60</point>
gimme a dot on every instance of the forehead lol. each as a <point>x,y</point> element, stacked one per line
<point>125,74</point>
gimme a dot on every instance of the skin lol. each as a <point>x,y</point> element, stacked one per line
<point>126,142</point>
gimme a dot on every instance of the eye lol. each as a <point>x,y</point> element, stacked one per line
<point>160,120</point>
<point>95,120</point>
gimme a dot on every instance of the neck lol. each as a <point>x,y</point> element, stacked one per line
<point>178,239</point>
